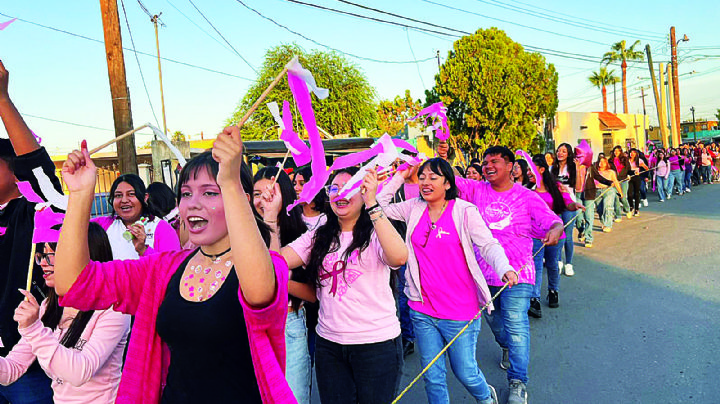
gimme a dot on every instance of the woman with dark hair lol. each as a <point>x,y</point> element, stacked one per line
<point>565,171</point>
<point>558,201</point>
<point>358,352</point>
<point>550,159</point>
<point>637,166</point>
<point>445,285</point>
<point>313,213</point>
<point>608,197</point>
<point>208,321</point>
<point>271,204</point>
<point>81,351</point>
<point>474,172</point>
<point>677,173</point>
<point>619,163</point>
<point>134,228</point>
<point>662,173</point>
<point>519,173</point>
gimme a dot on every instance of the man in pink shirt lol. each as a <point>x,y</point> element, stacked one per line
<point>514,215</point>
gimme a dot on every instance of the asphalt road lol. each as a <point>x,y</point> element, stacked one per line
<point>638,323</point>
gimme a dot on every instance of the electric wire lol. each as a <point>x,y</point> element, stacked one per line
<point>407,34</point>
<point>66,122</point>
<point>198,26</point>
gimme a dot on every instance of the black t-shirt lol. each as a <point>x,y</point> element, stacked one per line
<point>210,358</point>
<point>18,219</point>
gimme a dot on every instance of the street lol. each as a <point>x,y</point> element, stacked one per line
<point>638,323</point>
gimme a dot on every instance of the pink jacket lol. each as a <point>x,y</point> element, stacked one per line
<point>166,239</point>
<point>470,227</point>
<point>88,373</point>
<point>138,287</point>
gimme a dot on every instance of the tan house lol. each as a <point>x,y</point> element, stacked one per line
<point>602,130</point>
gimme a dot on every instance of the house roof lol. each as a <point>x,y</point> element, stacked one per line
<point>610,121</point>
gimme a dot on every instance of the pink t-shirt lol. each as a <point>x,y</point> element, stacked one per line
<point>313,222</point>
<point>411,191</point>
<point>357,305</point>
<point>547,198</point>
<point>448,289</point>
<point>514,217</point>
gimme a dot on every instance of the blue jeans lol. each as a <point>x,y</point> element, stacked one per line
<point>608,200</point>
<point>622,206</point>
<point>551,253</point>
<point>509,323</point>
<point>406,325</point>
<point>661,184</point>
<point>568,242</point>
<point>297,367</point>
<point>32,388</point>
<point>688,179</point>
<point>705,172</point>
<point>432,335</point>
<point>586,220</point>
<point>675,179</point>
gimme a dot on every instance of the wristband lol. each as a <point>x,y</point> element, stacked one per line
<point>377,205</point>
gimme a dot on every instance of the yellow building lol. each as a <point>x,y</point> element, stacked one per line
<point>602,130</point>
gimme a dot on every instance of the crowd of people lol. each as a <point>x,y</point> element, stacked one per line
<point>222,292</point>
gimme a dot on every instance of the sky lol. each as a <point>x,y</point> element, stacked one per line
<point>58,71</point>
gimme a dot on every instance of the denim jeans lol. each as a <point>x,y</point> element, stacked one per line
<point>432,335</point>
<point>297,368</point>
<point>622,206</point>
<point>509,323</point>
<point>358,374</point>
<point>568,241</point>
<point>688,179</point>
<point>406,325</point>
<point>705,172</point>
<point>661,183</point>
<point>550,253</point>
<point>587,220</point>
<point>675,180</point>
<point>31,388</point>
<point>608,200</point>
<point>643,188</point>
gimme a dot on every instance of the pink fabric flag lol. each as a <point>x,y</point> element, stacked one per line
<point>533,167</point>
<point>299,149</point>
<point>28,192</point>
<point>45,219</point>
<point>584,153</point>
<point>404,145</point>
<point>5,24</point>
<point>437,113</point>
<point>385,154</point>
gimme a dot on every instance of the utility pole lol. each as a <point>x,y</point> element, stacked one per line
<point>615,97</point>
<point>675,82</point>
<point>671,98</point>
<point>122,114</point>
<point>438,58</point>
<point>642,92</point>
<point>154,20</point>
<point>692,109</point>
<point>662,109</point>
<point>654,81</point>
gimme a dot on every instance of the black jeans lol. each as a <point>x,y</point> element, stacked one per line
<point>634,193</point>
<point>363,373</point>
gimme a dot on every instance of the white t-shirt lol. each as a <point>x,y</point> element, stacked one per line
<point>357,305</point>
<point>124,249</point>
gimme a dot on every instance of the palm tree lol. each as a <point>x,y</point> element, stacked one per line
<point>620,53</point>
<point>601,79</point>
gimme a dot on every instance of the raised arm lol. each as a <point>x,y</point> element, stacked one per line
<point>395,252</point>
<point>395,211</point>
<point>490,249</point>
<point>254,268</point>
<point>20,135</point>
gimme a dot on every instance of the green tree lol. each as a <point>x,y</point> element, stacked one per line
<point>601,79</point>
<point>349,107</point>
<point>717,115</point>
<point>178,136</point>
<point>622,54</point>
<point>496,92</point>
<point>392,115</point>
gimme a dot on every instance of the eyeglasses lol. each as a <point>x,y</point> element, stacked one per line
<point>49,258</point>
<point>332,189</point>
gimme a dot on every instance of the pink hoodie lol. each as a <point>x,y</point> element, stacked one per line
<point>87,373</point>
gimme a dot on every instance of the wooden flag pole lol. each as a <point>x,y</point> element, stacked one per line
<point>28,285</point>
<point>121,137</point>
<point>282,165</point>
<point>262,97</point>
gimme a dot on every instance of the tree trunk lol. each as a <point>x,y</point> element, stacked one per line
<point>604,95</point>
<point>624,86</point>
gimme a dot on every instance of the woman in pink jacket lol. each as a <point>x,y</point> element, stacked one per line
<point>209,321</point>
<point>81,351</point>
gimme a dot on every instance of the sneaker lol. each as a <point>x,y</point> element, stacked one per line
<point>505,361</point>
<point>669,197</point>
<point>408,348</point>
<point>518,392</point>
<point>607,229</point>
<point>569,270</point>
<point>637,213</point>
<point>588,245</point>
<point>645,202</point>
<point>687,190</point>
<point>662,200</point>
<point>553,299</point>
<point>618,220</point>
<point>630,215</point>
<point>581,240</point>
<point>493,397</point>
<point>535,309</point>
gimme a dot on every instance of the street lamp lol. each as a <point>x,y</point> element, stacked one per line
<point>692,109</point>
<point>683,39</point>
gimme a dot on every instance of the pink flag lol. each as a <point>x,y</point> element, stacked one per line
<point>5,24</point>
<point>437,113</point>
<point>28,192</point>
<point>299,150</point>
<point>45,219</point>
<point>584,153</point>
<point>533,167</point>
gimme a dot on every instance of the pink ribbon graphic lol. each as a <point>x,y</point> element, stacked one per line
<point>338,269</point>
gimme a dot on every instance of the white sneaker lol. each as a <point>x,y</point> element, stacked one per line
<point>569,270</point>
<point>560,266</point>
<point>687,190</point>
<point>645,202</point>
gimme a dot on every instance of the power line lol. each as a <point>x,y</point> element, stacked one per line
<point>142,76</point>
<point>412,52</point>
<point>327,46</point>
<point>198,26</point>
<point>127,49</point>
<point>223,38</point>
<point>68,123</point>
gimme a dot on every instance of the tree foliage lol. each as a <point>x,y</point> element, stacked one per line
<point>620,53</point>
<point>392,115</point>
<point>717,115</point>
<point>349,107</point>
<point>496,92</point>
<point>178,136</point>
<point>601,79</point>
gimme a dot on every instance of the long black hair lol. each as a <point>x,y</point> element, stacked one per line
<point>550,183</point>
<point>100,251</point>
<point>291,225</point>
<point>320,201</point>
<point>327,237</point>
<point>525,180</point>
<point>161,198</point>
<point>140,193</point>
<point>569,162</point>
<point>205,161</point>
